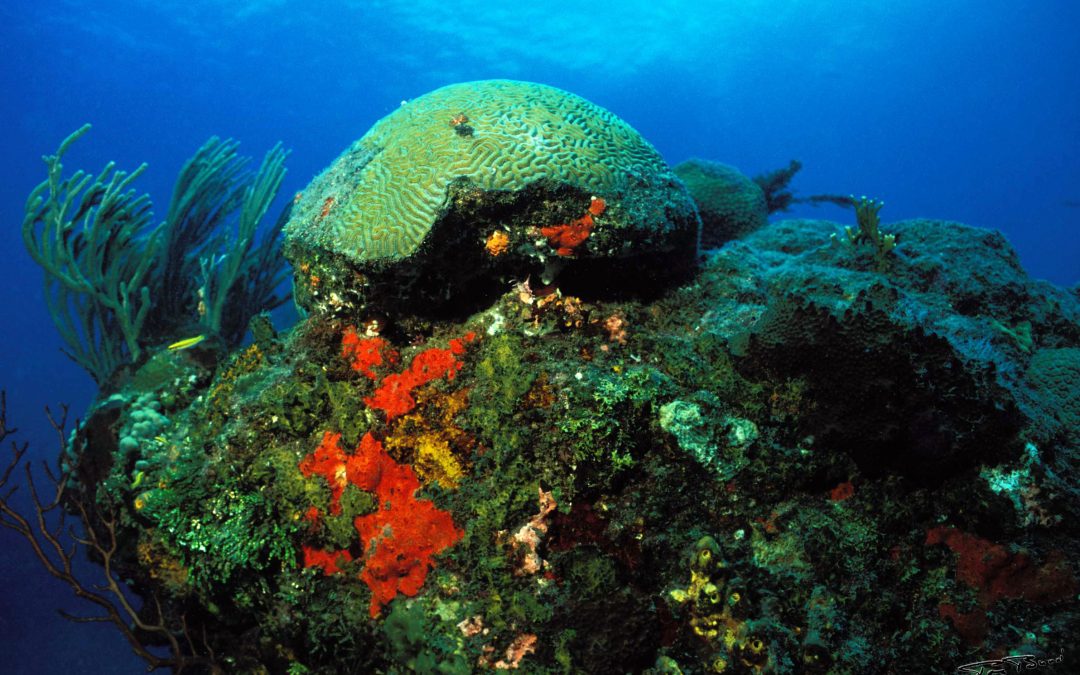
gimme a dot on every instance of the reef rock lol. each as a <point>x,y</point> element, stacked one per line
<point>810,457</point>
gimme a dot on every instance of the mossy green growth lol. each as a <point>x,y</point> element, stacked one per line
<point>501,377</point>
<point>225,532</point>
<point>500,381</point>
<point>277,467</point>
<point>340,529</point>
<point>564,653</point>
<point>588,573</point>
<point>347,412</point>
<point>608,420</point>
<point>337,628</point>
<point>417,641</point>
<point>295,404</point>
<point>221,527</point>
<point>505,499</point>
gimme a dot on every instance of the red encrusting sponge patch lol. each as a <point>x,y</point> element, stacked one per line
<point>400,538</point>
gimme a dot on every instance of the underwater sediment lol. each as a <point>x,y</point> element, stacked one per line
<point>535,428</point>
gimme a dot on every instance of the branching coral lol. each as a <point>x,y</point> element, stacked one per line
<point>775,186</point>
<point>141,627</point>
<point>869,232</point>
<point>223,280</point>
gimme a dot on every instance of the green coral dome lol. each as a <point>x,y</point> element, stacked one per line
<point>498,134</point>
<point>475,186</point>
<point>731,205</point>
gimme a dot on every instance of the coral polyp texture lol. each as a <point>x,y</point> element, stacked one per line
<point>435,180</point>
<point>731,204</point>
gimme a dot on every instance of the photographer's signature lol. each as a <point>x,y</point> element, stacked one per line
<point>1009,664</point>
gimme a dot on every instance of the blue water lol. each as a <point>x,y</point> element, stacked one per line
<point>966,110</point>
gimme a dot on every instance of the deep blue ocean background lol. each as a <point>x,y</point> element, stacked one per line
<point>966,110</point>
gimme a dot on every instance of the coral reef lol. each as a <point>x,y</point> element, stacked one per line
<point>810,453</point>
<point>402,533</point>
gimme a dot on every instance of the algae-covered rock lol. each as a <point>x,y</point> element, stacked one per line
<point>749,472</point>
<point>731,204</point>
<point>715,440</point>
<point>485,179</point>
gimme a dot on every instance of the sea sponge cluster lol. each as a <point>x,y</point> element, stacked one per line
<point>144,422</point>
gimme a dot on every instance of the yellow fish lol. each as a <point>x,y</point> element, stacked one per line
<point>186,343</point>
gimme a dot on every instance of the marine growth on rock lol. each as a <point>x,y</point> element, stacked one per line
<point>524,426</point>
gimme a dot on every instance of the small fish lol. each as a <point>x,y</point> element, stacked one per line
<point>186,343</point>
<point>161,439</point>
<point>139,475</point>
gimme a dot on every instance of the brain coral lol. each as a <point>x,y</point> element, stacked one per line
<point>499,134</point>
<point>386,198</point>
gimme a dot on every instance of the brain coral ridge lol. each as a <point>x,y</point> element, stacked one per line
<point>380,199</point>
